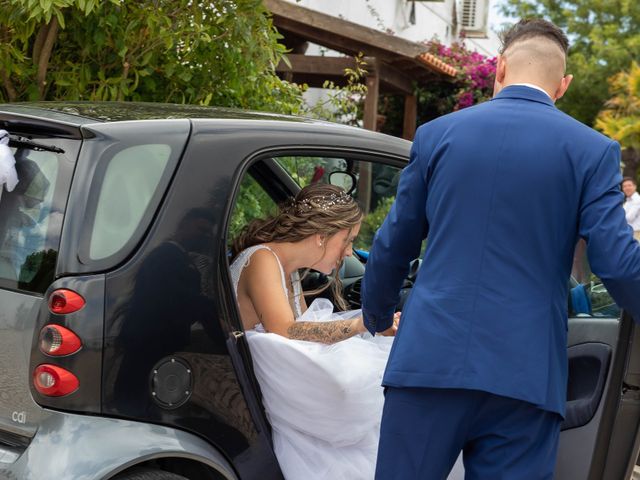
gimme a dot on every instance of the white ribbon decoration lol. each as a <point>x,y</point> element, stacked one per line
<point>8,174</point>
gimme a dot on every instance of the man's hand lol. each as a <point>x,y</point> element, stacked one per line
<point>391,331</point>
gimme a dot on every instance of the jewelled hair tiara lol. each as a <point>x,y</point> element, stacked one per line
<point>324,202</point>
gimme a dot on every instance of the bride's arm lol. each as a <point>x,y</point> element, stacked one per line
<point>332,332</point>
<point>326,332</point>
<point>262,282</point>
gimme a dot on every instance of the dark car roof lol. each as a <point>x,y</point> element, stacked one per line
<point>82,113</point>
<point>72,118</point>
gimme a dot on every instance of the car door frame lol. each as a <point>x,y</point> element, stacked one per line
<point>237,343</point>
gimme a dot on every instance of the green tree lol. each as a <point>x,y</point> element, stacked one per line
<point>221,53</point>
<point>372,222</point>
<point>620,118</point>
<point>343,104</point>
<point>604,37</point>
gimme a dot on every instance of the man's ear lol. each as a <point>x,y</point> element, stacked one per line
<point>564,86</point>
<point>501,71</point>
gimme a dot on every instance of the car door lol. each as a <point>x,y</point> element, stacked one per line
<point>599,436</point>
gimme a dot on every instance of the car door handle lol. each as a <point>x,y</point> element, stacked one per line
<point>588,367</point>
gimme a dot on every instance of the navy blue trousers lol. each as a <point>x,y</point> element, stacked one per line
<point>424,430</point>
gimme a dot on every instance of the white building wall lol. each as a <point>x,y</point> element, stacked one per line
<point>432,19</point>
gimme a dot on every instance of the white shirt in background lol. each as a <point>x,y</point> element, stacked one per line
<point>632,211</point>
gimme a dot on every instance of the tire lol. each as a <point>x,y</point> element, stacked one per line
<point>148,474</point>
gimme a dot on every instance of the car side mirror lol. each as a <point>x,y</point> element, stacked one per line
<point>344,180</point>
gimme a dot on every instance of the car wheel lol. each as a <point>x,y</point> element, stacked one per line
<point>148,474</point>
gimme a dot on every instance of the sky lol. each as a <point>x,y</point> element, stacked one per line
<point>491,45</point>
<point>495,17</point>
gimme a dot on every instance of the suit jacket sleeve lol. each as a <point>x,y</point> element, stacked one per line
<point>396,243</point>
<point>613,253</point>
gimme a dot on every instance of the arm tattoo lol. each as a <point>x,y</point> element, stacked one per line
<point>323,332</point>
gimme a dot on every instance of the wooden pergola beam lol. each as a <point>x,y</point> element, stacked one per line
<point>316,64</point>
<point>392,77</point>
<point>315,69</point>
<point>380,78</point>
<point>393,64</point>
<point>339,34</point>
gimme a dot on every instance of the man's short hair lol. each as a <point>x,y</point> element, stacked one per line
<point>534,27</point>
<point>629,179</point>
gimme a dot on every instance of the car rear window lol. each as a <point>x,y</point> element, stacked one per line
<point>30,222</point>
<point>129,183</point>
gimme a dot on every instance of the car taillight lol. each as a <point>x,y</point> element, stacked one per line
<point>57,340</point>
<point>63,301</point>
<point>54,381</point>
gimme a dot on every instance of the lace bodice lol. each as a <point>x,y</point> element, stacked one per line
<point>243,259</point>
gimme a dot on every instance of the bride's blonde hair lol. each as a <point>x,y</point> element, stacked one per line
<point>316,209</point>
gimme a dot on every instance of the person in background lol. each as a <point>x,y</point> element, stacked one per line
<point>632,205</point>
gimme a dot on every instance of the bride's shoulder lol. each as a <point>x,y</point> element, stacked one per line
<point>262,276</point>
<point>262,261</point>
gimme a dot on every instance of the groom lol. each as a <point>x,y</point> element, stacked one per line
<point>502,191</point>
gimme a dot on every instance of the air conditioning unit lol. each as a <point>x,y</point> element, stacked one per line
<point>473,17</point>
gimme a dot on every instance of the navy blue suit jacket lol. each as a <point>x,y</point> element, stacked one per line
<point>501,191</point>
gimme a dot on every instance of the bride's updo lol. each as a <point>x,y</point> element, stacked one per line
<point>317,208</point>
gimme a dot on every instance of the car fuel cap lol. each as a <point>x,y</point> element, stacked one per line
<point>171,382</point>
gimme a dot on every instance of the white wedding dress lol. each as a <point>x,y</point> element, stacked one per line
<point>324,402</point>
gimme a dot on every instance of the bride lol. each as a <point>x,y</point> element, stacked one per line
<point>320,372</point>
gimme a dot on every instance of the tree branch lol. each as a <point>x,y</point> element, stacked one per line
<point>39,42</point>
<point>45,55</point>
<point>631,160</point>
<point>125,74</point>
<point>12,94</point>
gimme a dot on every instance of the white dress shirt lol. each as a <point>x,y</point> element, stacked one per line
<point>531,85</point>
<point>632,211</point>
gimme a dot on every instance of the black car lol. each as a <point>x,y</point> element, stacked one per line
<point>122,354</point>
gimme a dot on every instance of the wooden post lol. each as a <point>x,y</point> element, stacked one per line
<point>410,114</point>
<point>370,122</point>
<point>371,102</point>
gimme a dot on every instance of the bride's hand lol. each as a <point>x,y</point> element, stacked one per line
<point>358,325</point>
<point>391,331</point>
